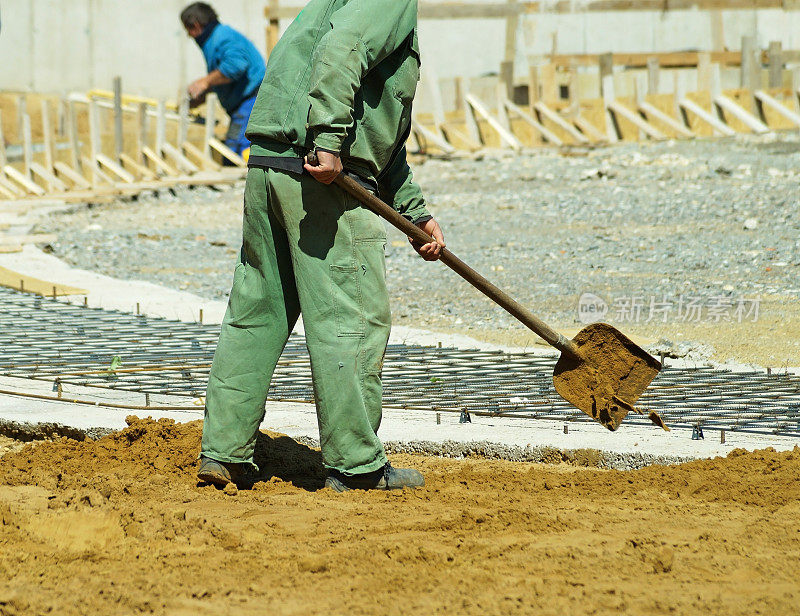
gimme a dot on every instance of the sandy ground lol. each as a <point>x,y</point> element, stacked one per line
<point>120,526</point>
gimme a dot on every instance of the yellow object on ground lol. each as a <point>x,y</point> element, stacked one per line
<point>21,282</point>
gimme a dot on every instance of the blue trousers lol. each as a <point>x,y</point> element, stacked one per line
<point>235,138</point>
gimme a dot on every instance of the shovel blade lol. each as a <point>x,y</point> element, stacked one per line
<point>609,377</point>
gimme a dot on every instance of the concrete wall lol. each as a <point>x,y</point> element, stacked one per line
<point>60,45</point>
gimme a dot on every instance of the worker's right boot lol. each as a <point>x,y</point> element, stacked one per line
<point>219,473</point>
<point>386,478</point>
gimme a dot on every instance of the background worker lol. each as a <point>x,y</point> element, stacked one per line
<point>340,82</point>
<point>235,70</point>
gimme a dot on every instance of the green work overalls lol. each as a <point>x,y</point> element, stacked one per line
<point>342,78</point>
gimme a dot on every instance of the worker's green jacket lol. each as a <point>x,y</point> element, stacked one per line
<point>342,78</point>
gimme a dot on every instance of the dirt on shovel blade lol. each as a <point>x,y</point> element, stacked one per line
<point>608,380</point>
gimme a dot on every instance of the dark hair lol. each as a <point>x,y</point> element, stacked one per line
<point>198,13</point>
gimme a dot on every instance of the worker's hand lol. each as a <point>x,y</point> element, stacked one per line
<point>327,168</point>
<point>432,250</point>
<point>197,88</point>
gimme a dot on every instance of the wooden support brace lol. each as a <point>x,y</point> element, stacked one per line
<point>5,190</point>
<point>24,181</point>
<point>689,105</point>
<point>545,132</point>
<point>159,162</point>
<point>654,112</point>
<point>434,138</point>
<point>589,129</point>
<point>226,152</point>
<point>94,142</point>
<point>505,135</point>
<point>201,159</point>
<point>115,168</point>
<point>637,120</point>
<point>98,175</point>
<point>551,115</point>
<point>78,181</point>
<point>745,117</point>
<point>52,182</point>
<point>136,167</point>
<point>775,105</point>
<point>613,131</point>
<point>178,158</point>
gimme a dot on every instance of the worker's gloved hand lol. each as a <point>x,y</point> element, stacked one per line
<point>432,250</point>
<point>327,167</point>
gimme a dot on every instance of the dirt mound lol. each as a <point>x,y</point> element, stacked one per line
<point>119,525</point>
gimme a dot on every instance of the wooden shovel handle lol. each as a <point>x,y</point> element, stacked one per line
<point>497,295</point>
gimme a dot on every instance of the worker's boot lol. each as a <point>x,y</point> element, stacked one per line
<point>219,473</point>
<point>386,478</point>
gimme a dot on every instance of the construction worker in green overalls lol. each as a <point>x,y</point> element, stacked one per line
<point>340,83</point>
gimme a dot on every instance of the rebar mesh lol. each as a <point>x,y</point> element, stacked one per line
<point>49,339</point>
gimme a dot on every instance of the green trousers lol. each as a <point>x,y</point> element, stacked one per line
<point>312,249</point>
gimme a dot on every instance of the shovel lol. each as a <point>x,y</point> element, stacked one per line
<point>601,371</point>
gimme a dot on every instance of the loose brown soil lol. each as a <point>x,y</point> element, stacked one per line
<point>120,526</point>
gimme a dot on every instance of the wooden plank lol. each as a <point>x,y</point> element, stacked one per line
<point>545,132</point>
<point>553,116</point>
<point>200,158</point>
<point>51,181</point>
<point>119,144</point>
<point>32,238</point>
<point>73,176</point>
<point>717,31</point>
<point>510,54</point>
<point>211,107</point>
<point>183,120</point>
<point>654,112</point>
<point>776,106</point>
<point>478,10</point>
<point>159,162</point>
<point>17,280</point>
<point>24,181</point>
<point>637,120</point>
<point>705,116</point>
<point>752,122</point>
<point>115,168</point>
<point>505,135</point>
<point>5,191</point>
<point>432,137</point>
<point>640,60</point>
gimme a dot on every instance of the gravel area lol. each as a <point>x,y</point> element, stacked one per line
<point>678,239</point>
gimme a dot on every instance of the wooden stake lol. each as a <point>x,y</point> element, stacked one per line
<point>94,142</point>
<point>27,145</point>
<point>3,159</point>
<point>47,131</point>
<point>717,31</point>
<point>613,131</point>
<point>469,117</point>
<point>141,133</point>
<point>183,120</point>
<point>652,75</point>
<point>606,62</point>
<point>161,126</point>
<point>118,134</point>
<point>273,25</point>
<point>72,135</point>
<point>22,110</point>
<point>751,67</point>
<point>211,105</point>
<point>775,61</point>
<point>704,71</point>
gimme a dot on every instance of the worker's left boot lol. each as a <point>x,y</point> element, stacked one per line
<point>386,478</point>
<point>219,473</point>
